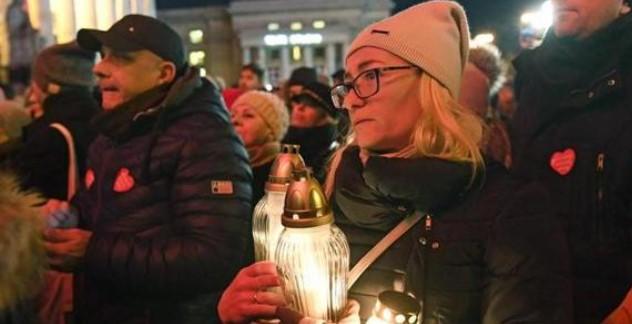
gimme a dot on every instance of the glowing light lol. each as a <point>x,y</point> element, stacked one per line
<point>292,39</point>
<point>541,19</point>
<point>196,36</point>
<point>197,58</point>
<point>273,26</point>
<point>296,54</point>
<point>306,39</point>
<point>275,40</point>
<point>484,38</point>
<point>319,24</point>
<point>296,25</point>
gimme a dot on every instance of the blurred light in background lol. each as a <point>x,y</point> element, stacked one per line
<point>483,39</point>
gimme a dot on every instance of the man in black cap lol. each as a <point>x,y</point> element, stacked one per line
<point>164,208</point>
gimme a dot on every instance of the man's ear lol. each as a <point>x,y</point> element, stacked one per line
<point>167,72</point>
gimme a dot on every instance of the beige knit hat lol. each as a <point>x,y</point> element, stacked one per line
<point>270,108</point>
<point>433,36</point>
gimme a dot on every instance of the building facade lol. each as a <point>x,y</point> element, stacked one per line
<point>281,35</point>
<point>57,21</point>
<point>210,39</point>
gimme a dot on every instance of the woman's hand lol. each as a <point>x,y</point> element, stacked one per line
<point>246,298</point>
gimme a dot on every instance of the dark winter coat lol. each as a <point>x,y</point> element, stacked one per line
<point>43,159</point>
<point>572,132</point>
<point>490,254</point>
<point>167,196</point>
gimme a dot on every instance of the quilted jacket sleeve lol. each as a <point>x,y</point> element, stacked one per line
<point>202,244</point>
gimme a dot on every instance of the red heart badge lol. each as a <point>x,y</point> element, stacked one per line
<point>124,181</point>
<point>563,162</point>
<point>89,178</point>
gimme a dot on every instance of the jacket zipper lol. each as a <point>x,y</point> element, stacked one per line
<point>600,192</point>
<point>99,183</point>
<point>427,240</point>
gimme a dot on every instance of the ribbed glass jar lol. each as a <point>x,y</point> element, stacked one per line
<point>266,224</point>
<point>313,263</point>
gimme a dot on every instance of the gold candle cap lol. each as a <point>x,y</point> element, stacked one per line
<point>305,202</point>
<point>396,307</point>
<point>283,166</point>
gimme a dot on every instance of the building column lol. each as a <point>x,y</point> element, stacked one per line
<point>330,58</point>
<point>246,57</point>
<point>308,52</point>
<point>122,8</point>
<point>285,62</point>
<point>64,20</point>
<point>85,15</point>
<point>148,7</point>
<point>261,57</point>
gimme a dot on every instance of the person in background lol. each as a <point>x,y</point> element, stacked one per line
<point>61,93</point>
<point>261,120</point>
<point>572,132</point>
<point>486,248</point>
<point>251,77</point>
<point>313,126</point>
<point>482,78</point>
<point>164,207</point>
<point>299,78</point>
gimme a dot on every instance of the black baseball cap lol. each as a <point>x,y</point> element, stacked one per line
<point>135,33</point>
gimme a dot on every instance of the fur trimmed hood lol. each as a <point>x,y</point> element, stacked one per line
<point>22,257</point>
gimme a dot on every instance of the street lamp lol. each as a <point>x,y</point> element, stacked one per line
<point>533,25</point>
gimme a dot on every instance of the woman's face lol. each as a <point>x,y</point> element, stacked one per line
<point>249,125</point>
<point>384,122</point>
<point>306,115</point>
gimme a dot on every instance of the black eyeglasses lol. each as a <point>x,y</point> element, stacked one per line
<point>365,85</point>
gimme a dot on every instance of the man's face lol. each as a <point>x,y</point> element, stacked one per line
<point>249,80</point>
<point>581,18</point>
<point>124,75</point>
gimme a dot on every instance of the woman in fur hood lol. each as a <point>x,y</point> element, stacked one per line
<point>22,258</point>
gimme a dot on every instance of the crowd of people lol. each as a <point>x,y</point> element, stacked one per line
<point>128,183</point>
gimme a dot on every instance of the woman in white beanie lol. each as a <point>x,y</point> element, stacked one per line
<point>484,248</point>
<point>261,120</point>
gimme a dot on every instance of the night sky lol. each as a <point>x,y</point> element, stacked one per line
<point>499,16</point>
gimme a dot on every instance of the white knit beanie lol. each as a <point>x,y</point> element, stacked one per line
<point>270,108</point>
<point>433,36</point>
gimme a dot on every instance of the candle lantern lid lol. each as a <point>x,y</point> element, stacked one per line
<point>283,166</point>
<point>305,202</point>
<point>397,307</point>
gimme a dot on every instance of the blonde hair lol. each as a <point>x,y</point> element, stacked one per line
<point>445,130</point>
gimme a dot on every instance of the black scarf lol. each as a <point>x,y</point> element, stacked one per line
<point>380,194</point>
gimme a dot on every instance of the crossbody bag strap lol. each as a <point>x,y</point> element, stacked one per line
<point>388,240</point>
<point>73,173</point>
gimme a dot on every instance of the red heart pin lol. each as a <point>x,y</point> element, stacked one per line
<point>563,162</point>
<point>124,181</point>
<point>89,178</point>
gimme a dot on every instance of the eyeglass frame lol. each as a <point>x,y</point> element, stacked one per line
<point>350,85</point>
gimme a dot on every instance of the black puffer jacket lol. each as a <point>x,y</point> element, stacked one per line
<point>43,159</point>
<point>572,132</point>
<point>493,254</point>
<point>167,197</point>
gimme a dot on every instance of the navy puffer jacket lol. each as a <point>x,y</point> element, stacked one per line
<point>169,208</point>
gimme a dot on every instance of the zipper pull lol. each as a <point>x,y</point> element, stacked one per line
<point>428,222</point>
<point>600,159</point>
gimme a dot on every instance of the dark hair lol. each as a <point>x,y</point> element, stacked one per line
<point>254,68</point>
